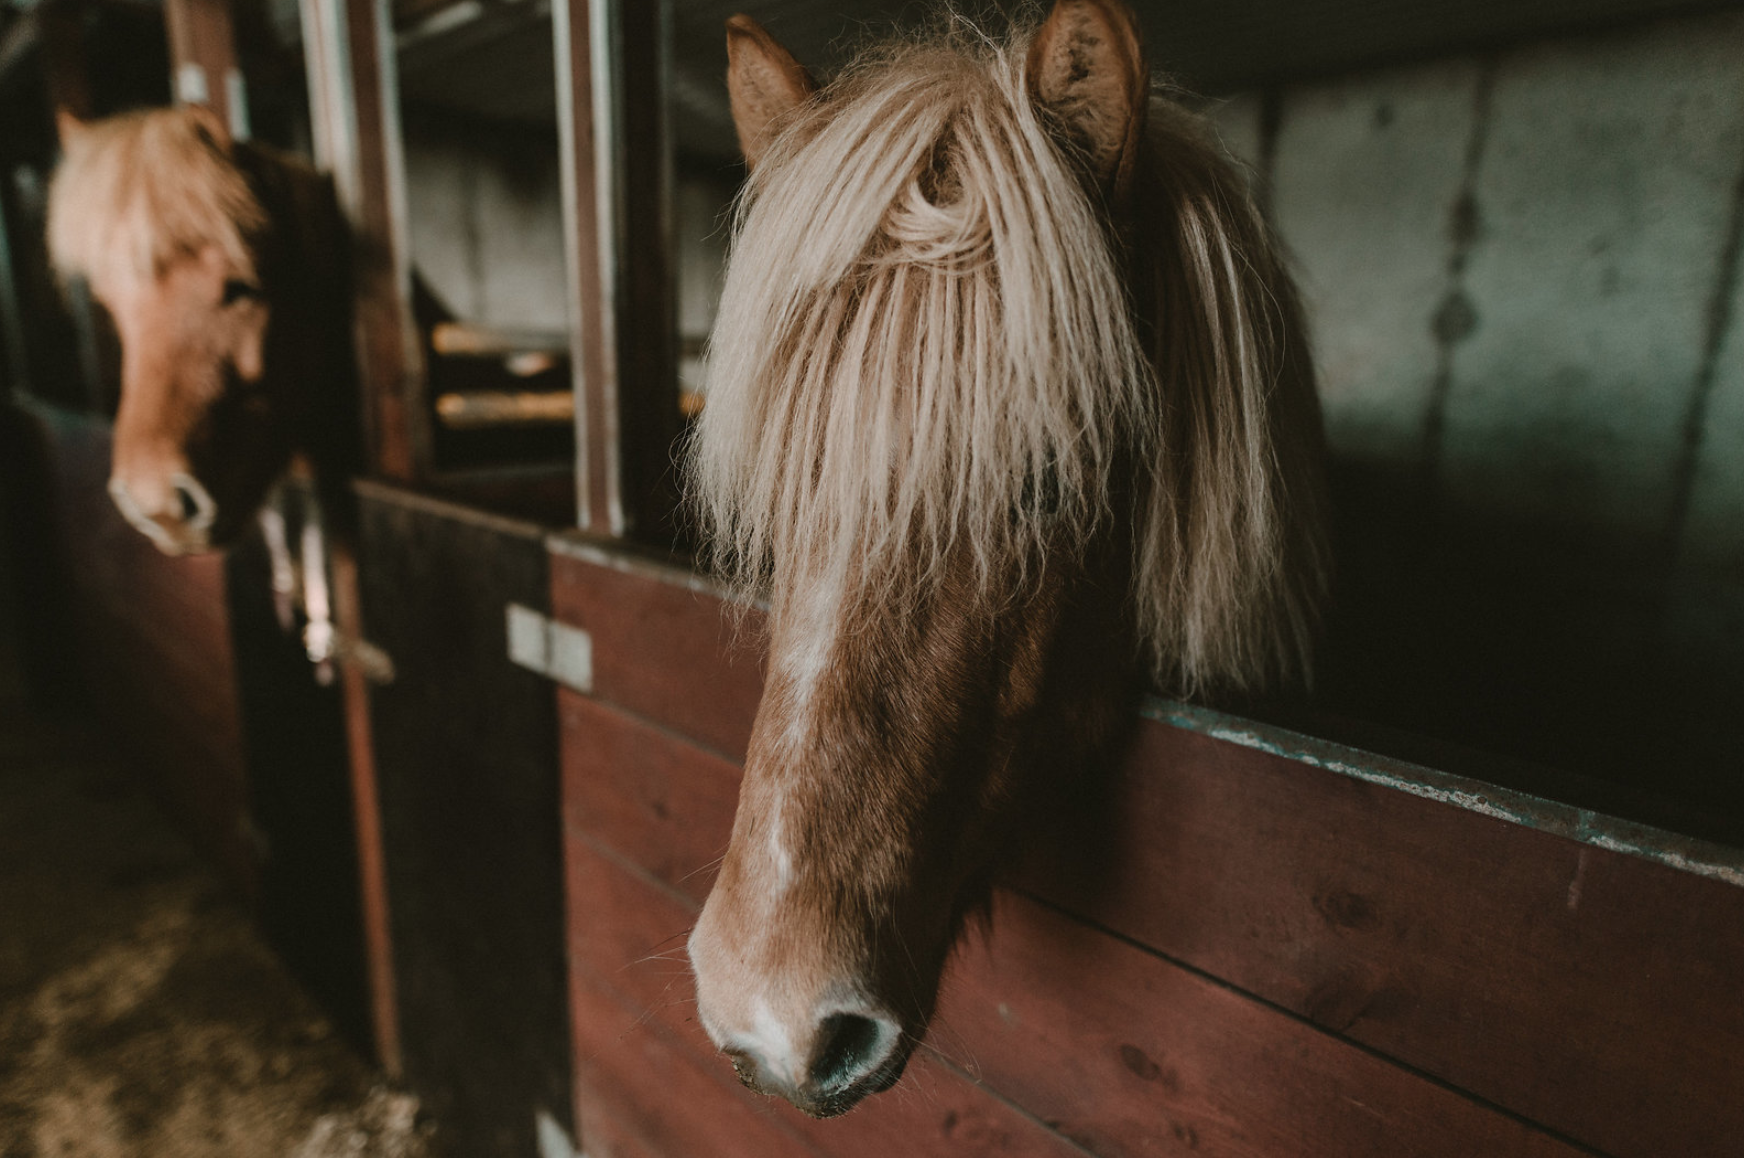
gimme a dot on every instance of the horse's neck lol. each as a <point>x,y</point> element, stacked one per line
<point>309,249</point>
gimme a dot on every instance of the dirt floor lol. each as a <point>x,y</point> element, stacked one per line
<point>141,1015</point>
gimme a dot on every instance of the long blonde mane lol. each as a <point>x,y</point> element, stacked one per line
<point>136,191</point>
<point>927,347</point>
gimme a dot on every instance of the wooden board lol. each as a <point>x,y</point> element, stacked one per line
<point>1579,987</point>
<point>616,195</point>
<point>183,661</point>
<point>663,648</point>
<point>1550,980</point>
<point>658,799</point>
<point>149,641</point>
<point>1049,1014</point>
<point>630,947</point>
<point>299,799</point>
<point>466,759</point>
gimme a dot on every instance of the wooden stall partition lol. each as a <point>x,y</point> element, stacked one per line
<point>465,764</point>
<point>1438,922</point>
<point>348,56</point>
<point>147,637</point>
<point>301,806</point>
<point>183,663</point>
<point>1241,942</point>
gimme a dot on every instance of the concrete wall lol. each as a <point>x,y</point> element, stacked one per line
<point>487,230</point>
<point>1522,274</point>
<point>487,221</point>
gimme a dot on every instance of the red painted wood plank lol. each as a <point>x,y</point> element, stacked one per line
<point>665,804</point>
<point>937,1112</point>
<point>1132,1055</point>
<point>1585,989</point>
<point>602,1134</point>
<point>153,639</point>
<point>1117,1049</point>
<point>664,650</point>
<point>628,933</point>
<point>627,936</point>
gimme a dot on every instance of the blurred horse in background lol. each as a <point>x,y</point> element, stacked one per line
<point>226,268</point>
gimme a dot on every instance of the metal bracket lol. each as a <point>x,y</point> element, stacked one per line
<point>555,650</point>
<point>327,647</point>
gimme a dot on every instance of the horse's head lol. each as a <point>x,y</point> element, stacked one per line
<point>936,435</point>
<point>181,234</point>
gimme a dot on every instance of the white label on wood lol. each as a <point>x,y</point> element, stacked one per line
<point>557,650</point>
<point>191,88</point>
<point>554,1141</point>
<point>571,651</point>
<point>236,99</point>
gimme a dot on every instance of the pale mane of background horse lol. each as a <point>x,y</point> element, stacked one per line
<point>225,267</point>
<point>1009,398</point>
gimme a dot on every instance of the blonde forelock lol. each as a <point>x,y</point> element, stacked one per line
<point>926,351</point>
<point>136,192</point>
<point>923,342</point>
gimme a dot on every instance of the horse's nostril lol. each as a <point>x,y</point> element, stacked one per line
<point>851,1046</point>
<point>193,503</point>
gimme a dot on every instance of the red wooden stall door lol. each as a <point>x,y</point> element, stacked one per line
<point>1271,959</point>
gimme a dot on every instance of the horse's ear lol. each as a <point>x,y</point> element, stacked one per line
<point>765,84</point>
<point>69,128</point>
<point>208,124</point>
<point>1087,68</point>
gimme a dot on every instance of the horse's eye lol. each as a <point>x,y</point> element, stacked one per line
<point>236,290</point>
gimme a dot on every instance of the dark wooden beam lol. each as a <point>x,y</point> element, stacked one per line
<point>16,364</point>
<point>203,60</point>
<point>612,63</point>
<point>372,870</point>
<point>59,32</point>
<point>354,111</point>
<point>66,80</point>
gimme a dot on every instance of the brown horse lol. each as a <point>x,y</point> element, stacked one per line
<point>225,267</point>
<point>1009,404</point>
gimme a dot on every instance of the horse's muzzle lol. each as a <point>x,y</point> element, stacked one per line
<point>176,513</point>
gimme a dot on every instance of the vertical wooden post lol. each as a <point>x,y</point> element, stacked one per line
<point>612,63</point>
<point>372,870</point>
<point>61,26</point>
<point>17,365</point>
<point>354,110</point>
<point>203,60</point>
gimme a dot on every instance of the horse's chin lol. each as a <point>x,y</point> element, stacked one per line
<point>876,1082</point>
<point>173,543</point>
<point>838,1102</point>
<point>212,542</point>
